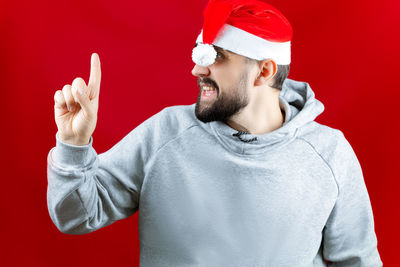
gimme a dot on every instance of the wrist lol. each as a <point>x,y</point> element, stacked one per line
<point>72,155</point>
<point>74,141</point>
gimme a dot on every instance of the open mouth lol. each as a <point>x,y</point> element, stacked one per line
<point>208,91</point>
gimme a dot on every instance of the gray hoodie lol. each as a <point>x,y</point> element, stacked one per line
<point>292,197</point>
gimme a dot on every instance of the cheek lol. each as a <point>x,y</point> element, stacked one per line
<point>227,79</point>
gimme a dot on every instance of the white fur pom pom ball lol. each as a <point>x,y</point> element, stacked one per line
<point>204,54</point>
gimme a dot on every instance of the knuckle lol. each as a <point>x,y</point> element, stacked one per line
<point>66,89</point>
<point>70,101</point>
<point>57,96</point>
<point>78,82</point>
<point>58,105</point>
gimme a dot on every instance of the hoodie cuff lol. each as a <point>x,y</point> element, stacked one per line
<point>68,154</point>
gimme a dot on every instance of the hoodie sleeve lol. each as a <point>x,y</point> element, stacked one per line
<point>87,191</point>
<point>349,235</point>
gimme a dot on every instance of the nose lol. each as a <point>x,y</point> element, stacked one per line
<point>200,71</point>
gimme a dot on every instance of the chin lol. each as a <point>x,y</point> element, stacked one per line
<point>203,114</point>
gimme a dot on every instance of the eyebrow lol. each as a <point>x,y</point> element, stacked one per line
<point>225,53</point>
<point>219,49</point>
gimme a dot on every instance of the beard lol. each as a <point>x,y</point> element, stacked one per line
<point>227,103</point>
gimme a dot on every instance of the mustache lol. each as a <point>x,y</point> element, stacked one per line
<point>207,81</point>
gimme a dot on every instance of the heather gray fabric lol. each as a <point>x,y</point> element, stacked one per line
<point>293,197</point>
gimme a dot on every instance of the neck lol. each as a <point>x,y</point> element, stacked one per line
<point>262,115</point>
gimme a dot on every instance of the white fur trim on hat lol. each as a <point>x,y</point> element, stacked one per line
<point>246,44</point>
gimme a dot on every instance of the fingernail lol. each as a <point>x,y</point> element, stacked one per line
<point>80,91</point>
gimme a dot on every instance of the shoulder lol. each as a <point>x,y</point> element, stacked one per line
<point>178,115</point>
<point>332,145</point>
<point>323,138</point>
<point>173,120</point>
<point>165,125</point>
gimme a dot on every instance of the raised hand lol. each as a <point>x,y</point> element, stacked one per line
<point>76,106</point>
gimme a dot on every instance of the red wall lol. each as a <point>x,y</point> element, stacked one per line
<point>346,50</point>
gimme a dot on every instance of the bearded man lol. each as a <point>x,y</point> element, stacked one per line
<point>243,177</point>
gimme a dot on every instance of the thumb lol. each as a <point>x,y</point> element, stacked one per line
<point>81,95</point>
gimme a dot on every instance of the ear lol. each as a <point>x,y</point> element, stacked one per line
<point>267,70</point>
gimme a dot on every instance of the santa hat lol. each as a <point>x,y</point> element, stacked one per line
<point>249,28</point>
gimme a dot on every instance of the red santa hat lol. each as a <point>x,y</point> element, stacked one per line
<point>250,28</point>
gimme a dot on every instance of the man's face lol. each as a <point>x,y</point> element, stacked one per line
<point>228,76</point>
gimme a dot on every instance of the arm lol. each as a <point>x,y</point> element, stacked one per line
<point>87,191</point>
<point>84,190</point>
<point>349,236</point>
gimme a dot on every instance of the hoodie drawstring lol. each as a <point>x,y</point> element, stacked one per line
<point>239,135</point>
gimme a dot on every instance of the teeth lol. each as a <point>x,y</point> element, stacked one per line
<point>208,88</point>
<point>208,92</point>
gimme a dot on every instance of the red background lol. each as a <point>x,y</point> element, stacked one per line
<point>346,50</point>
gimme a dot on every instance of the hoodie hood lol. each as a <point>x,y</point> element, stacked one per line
<point>298,101</point>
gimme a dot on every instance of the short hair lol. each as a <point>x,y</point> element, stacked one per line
<point>281,73</point>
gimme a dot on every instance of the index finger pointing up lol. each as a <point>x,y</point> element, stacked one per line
<point>95,76</point>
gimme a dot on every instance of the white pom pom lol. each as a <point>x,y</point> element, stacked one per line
<point>204,54</point>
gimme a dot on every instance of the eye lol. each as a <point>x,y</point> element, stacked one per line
<point>220,55</point>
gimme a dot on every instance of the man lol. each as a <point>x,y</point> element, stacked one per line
<point>243,177</point>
